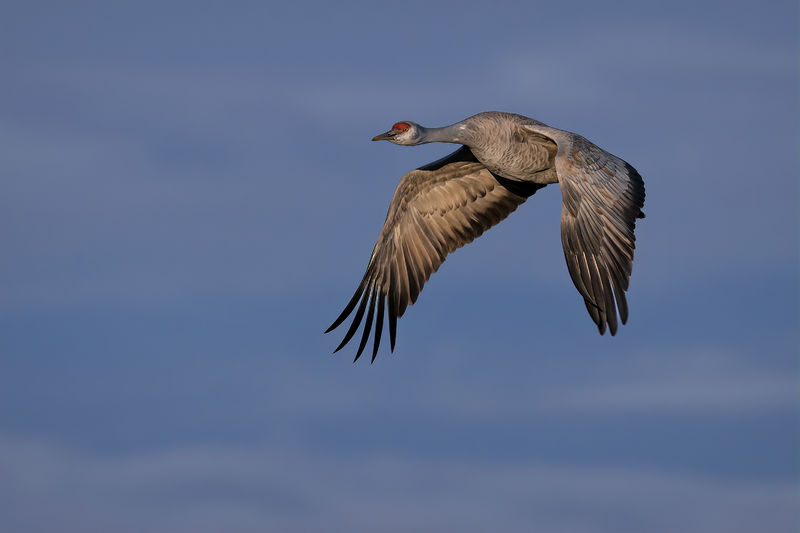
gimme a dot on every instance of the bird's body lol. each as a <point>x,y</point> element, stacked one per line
<point>504,144</point>
<point>504,159</point>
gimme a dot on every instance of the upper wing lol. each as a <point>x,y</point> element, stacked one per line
<point>602,198</point>
<point>435,210</point>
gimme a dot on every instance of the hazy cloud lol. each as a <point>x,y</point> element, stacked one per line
<point>269,489</point>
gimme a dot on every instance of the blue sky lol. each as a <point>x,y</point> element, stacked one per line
<point>189,197</point>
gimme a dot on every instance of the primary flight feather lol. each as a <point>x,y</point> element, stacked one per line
<point>505,158</point>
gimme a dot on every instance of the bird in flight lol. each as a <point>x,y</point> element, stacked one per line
<point>503,160</point>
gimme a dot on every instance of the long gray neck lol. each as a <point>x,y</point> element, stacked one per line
<point>455,133</point>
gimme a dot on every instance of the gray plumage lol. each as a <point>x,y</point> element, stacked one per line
<point>504,159</point>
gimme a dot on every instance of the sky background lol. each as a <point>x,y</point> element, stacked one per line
<point>189,195</point>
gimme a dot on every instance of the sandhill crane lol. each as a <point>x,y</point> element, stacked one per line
<point>505,158</point>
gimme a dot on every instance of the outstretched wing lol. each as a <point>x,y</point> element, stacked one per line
<point>602,198</point>
<point>435,210</point>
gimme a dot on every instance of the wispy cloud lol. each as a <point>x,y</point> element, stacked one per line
<point>459,382</point>
<point>48,488</point>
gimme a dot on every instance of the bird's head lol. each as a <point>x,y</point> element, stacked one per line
<point>406,133</point>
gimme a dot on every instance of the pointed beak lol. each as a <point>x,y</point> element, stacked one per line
<point>385,136</point>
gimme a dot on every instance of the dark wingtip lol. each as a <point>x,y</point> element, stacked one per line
<point>367,325</point>
<point>348,308</point>
<point>356,322</point>
<point>392,330</point>
<point>343,343</point>
<point>392,321</point>
<point>378,327</point>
